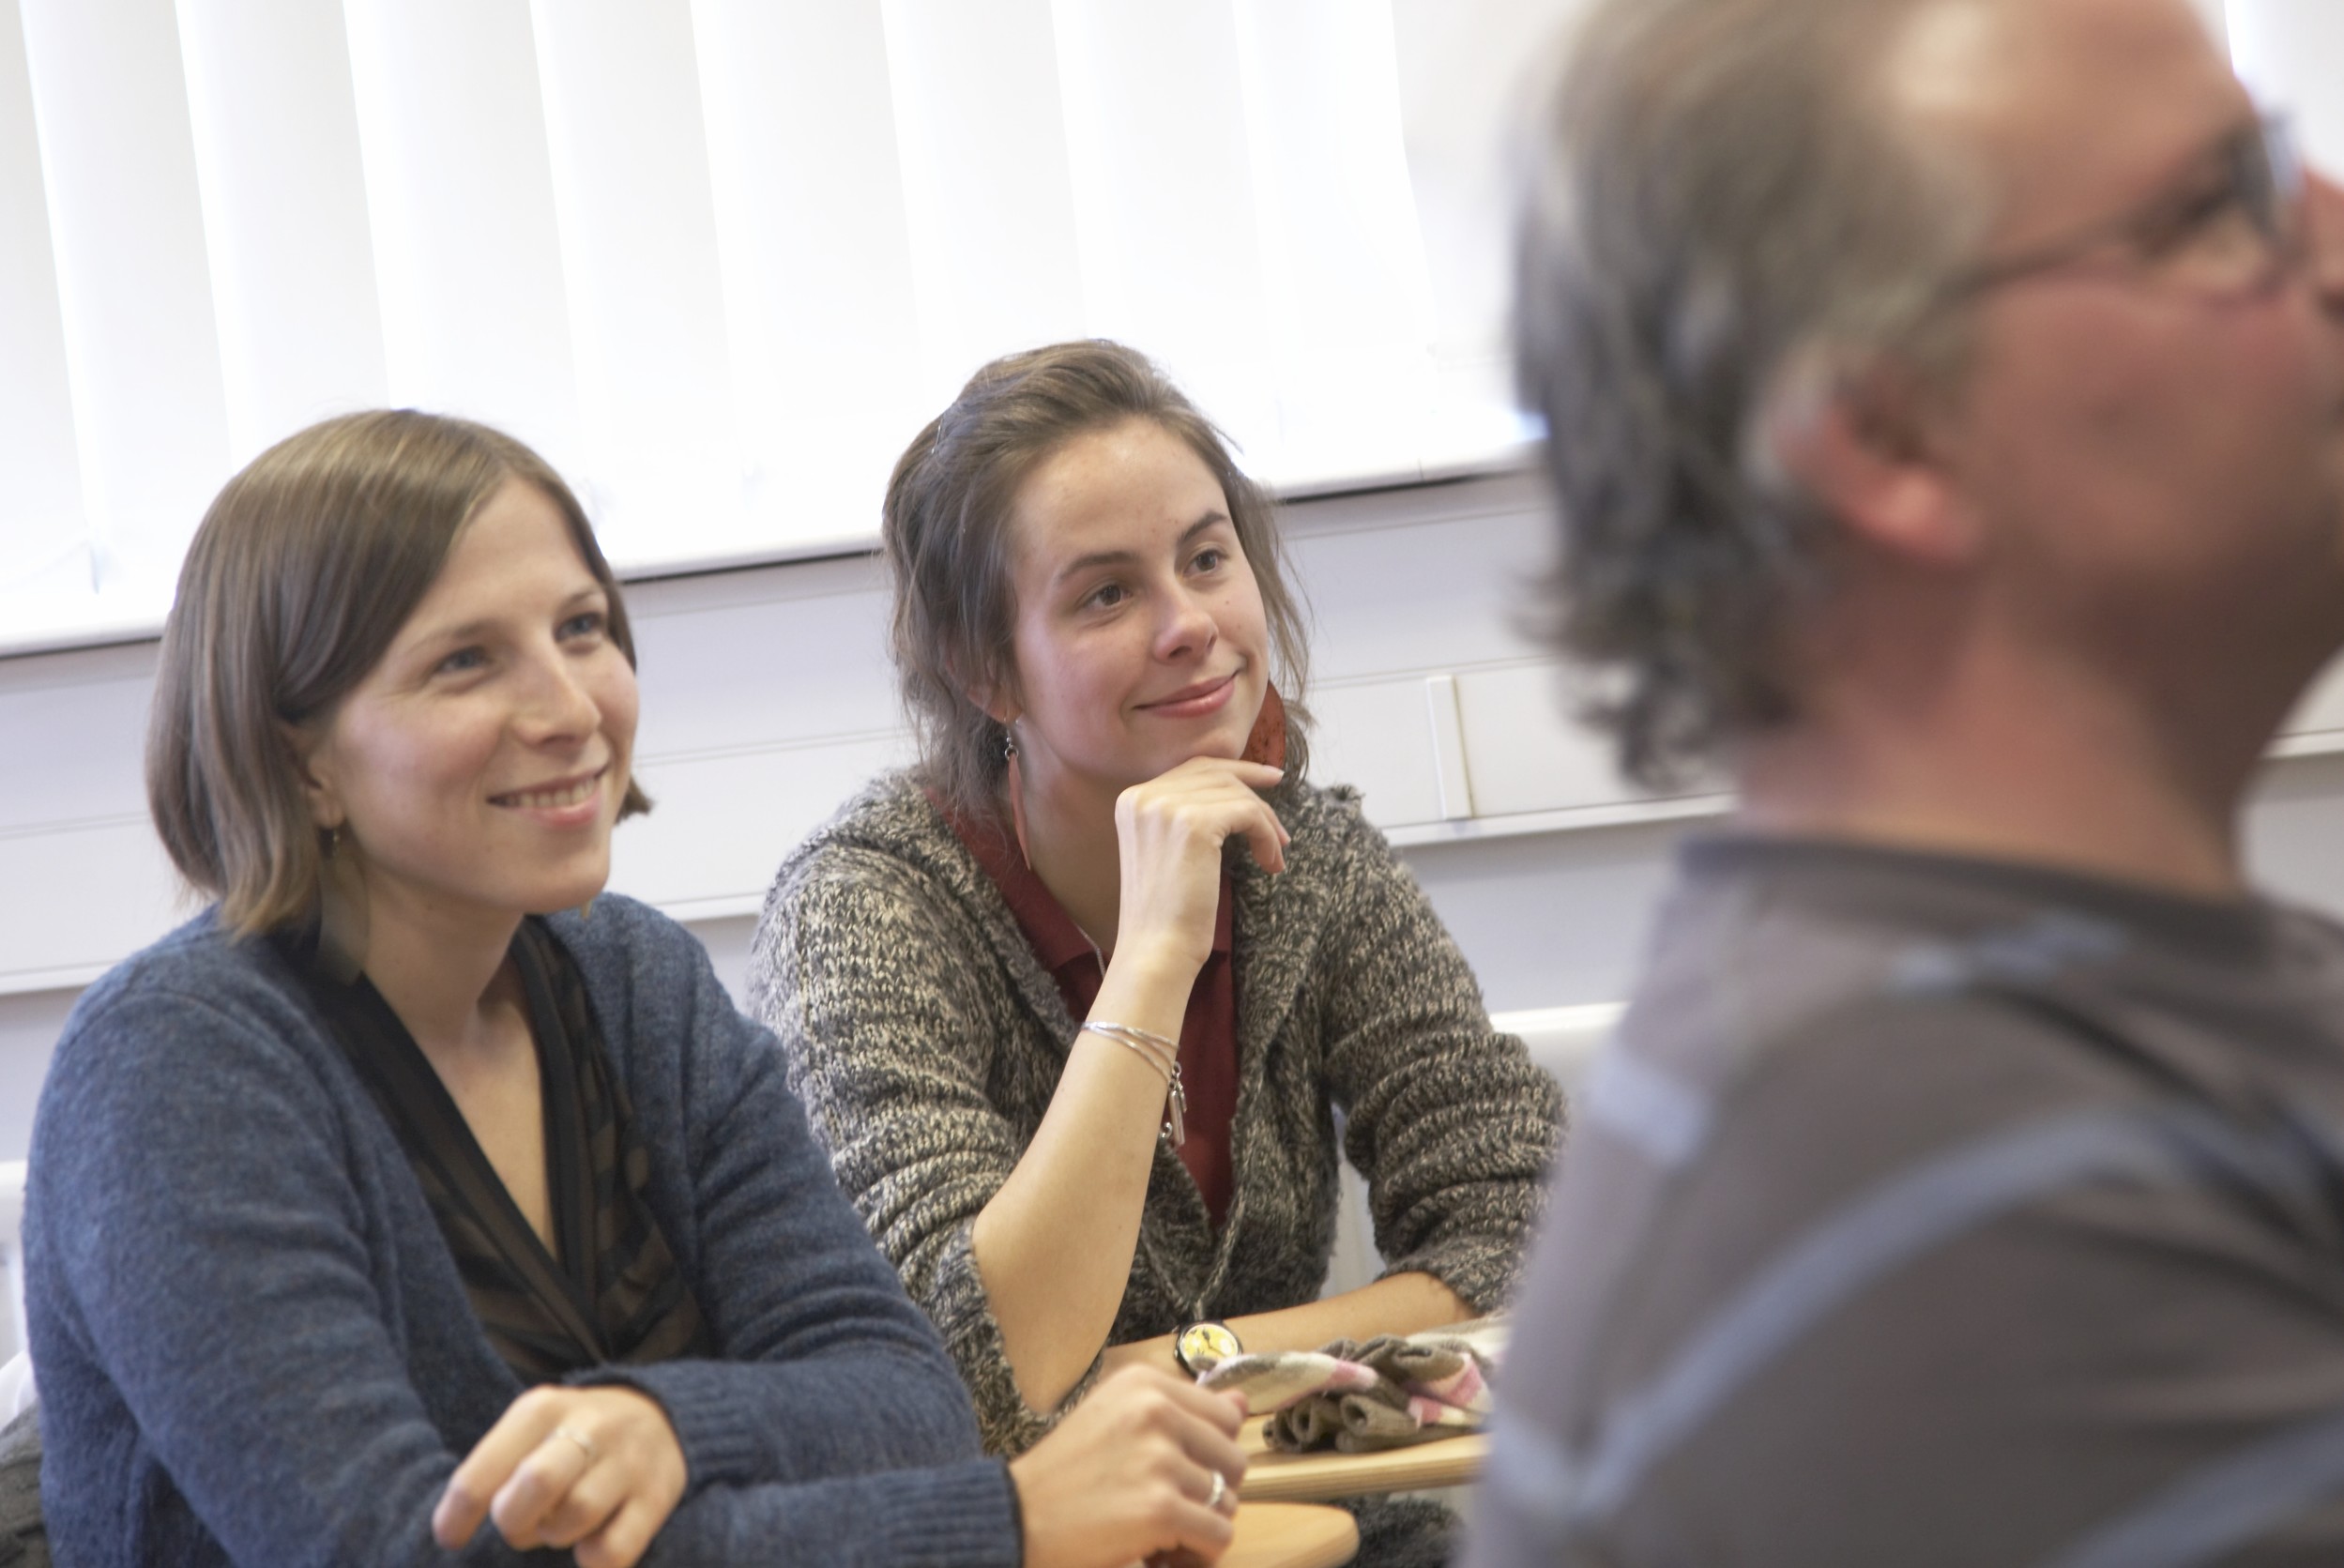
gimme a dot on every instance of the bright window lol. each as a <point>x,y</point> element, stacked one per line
<point>719,259</point>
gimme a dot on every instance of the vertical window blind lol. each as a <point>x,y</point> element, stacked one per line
<point>719,259</point>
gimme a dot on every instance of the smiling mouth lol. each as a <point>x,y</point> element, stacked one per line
<point>1194,693</point>
<point>553,797</point>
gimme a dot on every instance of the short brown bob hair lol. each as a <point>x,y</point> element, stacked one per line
<point>305,567</point>
<point>944,528</point>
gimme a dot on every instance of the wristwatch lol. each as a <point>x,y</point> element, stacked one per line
<point>1205,1344</point>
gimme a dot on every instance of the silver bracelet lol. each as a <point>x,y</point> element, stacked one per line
<point>1164,1057</point>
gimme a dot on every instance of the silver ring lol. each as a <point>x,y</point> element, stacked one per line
<point>1220,1490</point>
<point>585,1447</point>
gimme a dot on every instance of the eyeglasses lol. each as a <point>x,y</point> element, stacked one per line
<point>2233,230</point>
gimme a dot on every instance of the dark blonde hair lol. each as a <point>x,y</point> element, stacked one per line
<point>305,567</point>
<point>945,530</point>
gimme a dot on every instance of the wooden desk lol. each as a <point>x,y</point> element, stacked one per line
<point>1274,1477</point>
<point>1291,1536</point>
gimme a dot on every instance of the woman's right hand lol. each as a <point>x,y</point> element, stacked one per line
<point>1129,1474</point>
<point>597,1470</point>
<point>1053,1244</point>
<point>1169,832</point>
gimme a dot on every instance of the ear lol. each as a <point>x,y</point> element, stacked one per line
<point>996,704</point>
<point>1864,444</point>
<point>995,697</point>
<point>314,760</point>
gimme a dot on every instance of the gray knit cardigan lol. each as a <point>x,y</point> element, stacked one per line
<point>925,1039</point>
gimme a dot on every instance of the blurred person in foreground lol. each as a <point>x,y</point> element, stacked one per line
<point>1945,400</point>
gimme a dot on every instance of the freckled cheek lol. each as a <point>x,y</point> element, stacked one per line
<point>408,763</point>
<point>1240,614</point>
<point>1079,686</point>
<point>1092,700</point>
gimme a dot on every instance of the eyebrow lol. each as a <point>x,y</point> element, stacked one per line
<point>1118,557</point>
<point>2188,177</point>
<point>2187,180</point>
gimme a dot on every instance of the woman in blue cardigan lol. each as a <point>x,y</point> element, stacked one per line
<point>414,1199</point>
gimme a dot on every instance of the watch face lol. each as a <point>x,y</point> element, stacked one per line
<point>1206,1346</point>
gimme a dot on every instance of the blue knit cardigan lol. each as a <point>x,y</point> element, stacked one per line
<point>254,1346</point>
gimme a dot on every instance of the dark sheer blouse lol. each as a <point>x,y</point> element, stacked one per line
<point>609,1289</point>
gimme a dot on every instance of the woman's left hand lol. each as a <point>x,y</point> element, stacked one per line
<point>599,1469</point>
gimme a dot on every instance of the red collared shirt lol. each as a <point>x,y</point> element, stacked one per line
<point>1207,1033</point>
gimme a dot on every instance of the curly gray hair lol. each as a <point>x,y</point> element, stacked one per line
<point>1722,205</point>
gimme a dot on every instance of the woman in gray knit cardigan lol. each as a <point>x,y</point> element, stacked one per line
<point>1072,1004</point>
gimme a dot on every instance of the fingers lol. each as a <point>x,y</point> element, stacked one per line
<point>1219,1494</point>
<point>1216,1452</point>
<point>1224,1411</point>
<point>1189,1512</point>
<point>1203,781</point>
<point>1205,801</point>
<point>1169,835</point>
<point>1206,772</point>
<point>623,1541</point>
<point>1204,1426</point>
<point>1253,775</point>
<point>554,1497</point>
<point>1133,1471</point>
<point>1266,838</point>
<point>597,1468</point>
<point>586,1507</point>
<point>1179,1557</point>
<point>1260,775</point>
<point>456,1518</point>
<point>1203,1530</point>
<point>464,1505</point>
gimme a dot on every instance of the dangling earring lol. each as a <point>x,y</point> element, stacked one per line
<point>1017,794</point>
<point>342,922</point>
